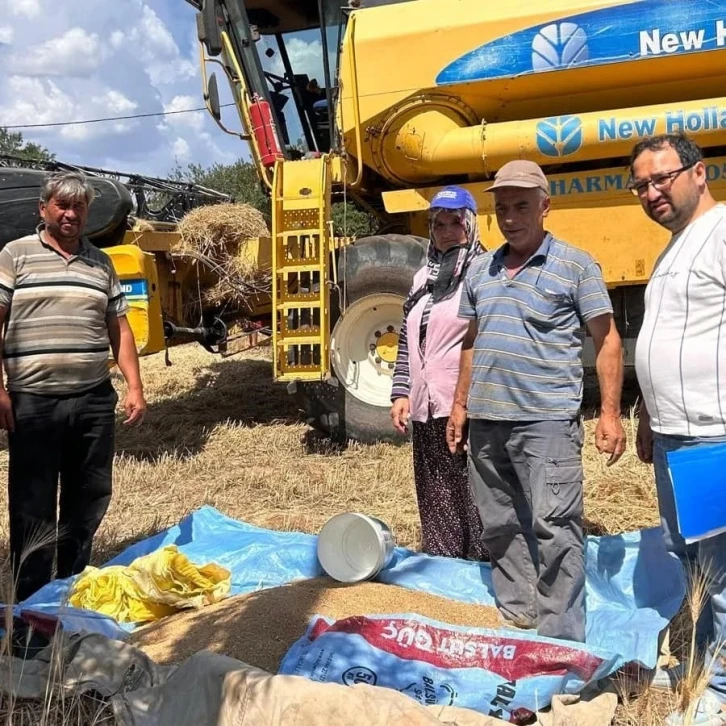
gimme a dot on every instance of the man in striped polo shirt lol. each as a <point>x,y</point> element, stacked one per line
<point>680,358</point>
<point>520,387</point>
<point>62,308</point>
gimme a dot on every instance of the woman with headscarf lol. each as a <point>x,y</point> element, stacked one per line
<point>425,378</point>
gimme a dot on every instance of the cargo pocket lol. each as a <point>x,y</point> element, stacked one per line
<point>563,483</point>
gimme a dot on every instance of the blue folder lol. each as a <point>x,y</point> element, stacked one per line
<point>698,476</point>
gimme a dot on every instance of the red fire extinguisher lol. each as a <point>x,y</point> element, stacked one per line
<point>263,127</point>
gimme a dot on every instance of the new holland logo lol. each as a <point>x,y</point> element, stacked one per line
<point>559,135</point>
<point>560,45</point>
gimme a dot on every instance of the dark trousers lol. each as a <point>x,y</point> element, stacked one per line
<point>58,438</point>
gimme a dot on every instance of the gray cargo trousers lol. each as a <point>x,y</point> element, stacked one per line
<point>526,478</point>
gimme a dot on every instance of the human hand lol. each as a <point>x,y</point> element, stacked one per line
<point>400,412</point>
<point>135,407</point>
<point>456,429</point>
<point>7,422</point>
<point>610,437</point>
<point>644,440</point>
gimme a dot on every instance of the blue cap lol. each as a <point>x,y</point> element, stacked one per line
<point>453,198</point>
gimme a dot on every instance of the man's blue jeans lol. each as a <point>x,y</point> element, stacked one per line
<point>710,553</point>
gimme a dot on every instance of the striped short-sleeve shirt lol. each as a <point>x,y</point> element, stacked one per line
<point>527,358</point>
<point>56,336</point>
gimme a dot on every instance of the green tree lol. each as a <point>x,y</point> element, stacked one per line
<point>350,221</point>
<point>239,180</point>
<point>12,144</point>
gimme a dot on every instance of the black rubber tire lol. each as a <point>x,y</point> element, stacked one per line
<point>371,265</point>
<point>19,189</point>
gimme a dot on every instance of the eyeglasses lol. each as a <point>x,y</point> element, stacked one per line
<point>659,181</point>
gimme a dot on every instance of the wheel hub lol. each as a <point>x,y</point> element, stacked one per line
<point>386,346</point>
<point>364,345</point>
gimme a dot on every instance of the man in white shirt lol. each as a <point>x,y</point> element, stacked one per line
<point>681,356</point>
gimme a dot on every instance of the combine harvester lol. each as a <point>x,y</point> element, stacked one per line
<point>421,93</point>
<point>424,93</point>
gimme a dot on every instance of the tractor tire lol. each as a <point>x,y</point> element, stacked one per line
<point>375,276</point>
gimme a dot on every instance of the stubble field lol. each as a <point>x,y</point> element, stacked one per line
<point>220,432</point>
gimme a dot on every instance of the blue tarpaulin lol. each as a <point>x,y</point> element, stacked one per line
<point>634,587</point>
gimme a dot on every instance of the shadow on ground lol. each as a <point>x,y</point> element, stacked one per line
<point>240,392</point>
<point>106,546</point>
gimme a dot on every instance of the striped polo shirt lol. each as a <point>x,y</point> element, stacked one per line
<point>56,337</point>
<point>680,356</point>
<point>527,359</point>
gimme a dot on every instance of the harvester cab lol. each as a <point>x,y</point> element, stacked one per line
<point>249,43</point>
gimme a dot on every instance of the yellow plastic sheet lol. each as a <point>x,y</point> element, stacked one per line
<point>151,587</point>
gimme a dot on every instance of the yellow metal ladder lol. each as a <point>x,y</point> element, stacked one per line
<point>301,265</point>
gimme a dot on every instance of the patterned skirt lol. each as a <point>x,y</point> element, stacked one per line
<point>450,524</point>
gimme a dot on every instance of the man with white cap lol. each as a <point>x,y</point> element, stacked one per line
<point>520,389</point>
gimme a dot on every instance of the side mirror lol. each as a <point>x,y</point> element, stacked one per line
<point>208,27</point>
<point>212,96</point>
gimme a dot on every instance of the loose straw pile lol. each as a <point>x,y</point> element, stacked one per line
<point>216,237</point>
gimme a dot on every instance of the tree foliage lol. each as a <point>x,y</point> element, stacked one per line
<point>12,144</point>
<point>350,221</point>
<point>240,181</point>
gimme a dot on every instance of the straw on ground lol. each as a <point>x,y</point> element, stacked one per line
<point>220,432</point>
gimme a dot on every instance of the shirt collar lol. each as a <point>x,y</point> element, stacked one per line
<point>83,243</point>
<point>542,250</point>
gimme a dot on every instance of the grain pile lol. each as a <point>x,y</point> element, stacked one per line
<point>216,238</point>
<point>260,628</point>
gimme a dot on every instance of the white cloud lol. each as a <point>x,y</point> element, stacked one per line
<point>117,39</point>
<point>115,101</point>
<point>154,45</point>
<point>37,101</point>
<point>219,154</point>
<point>194,120</point>
<point>157,34</point>
<point>75,53</point>
<point>306,58</point>
<point>29,9</point>
<point>89,59</point>
<point>181,149</point>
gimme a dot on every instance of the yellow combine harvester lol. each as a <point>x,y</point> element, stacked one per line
<point>420,93</point>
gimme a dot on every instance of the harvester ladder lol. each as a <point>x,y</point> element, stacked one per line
<point>301,261</point>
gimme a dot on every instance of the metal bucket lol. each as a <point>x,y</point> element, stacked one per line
<point>354,547</point>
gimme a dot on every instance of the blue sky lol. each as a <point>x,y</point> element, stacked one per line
<point>80,59</point>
